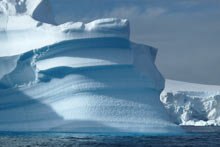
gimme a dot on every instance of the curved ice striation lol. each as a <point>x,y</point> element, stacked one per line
<point>86,85</point>
<point>192,104</point>
<point>87,78</point>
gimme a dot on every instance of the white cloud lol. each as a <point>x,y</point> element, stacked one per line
<point>130,12</point>
<point>152,12</point>
<point>123,12</point>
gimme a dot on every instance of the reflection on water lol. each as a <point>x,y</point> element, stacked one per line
<point>207,136</point>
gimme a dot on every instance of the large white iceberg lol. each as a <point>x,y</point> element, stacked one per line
<point>78,77</point>
<point>192,104</point>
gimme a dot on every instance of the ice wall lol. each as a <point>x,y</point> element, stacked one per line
<point>77,77</point>
<point>86,85</point>
<point>192,104</point>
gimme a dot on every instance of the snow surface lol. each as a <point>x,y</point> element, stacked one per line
<point>77,77</point>
<point>192,104</point>
<point>37,35</point>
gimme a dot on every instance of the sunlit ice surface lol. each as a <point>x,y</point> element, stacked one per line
<point>77,77</point>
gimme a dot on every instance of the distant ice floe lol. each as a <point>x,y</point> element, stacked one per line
<point>192,104</point>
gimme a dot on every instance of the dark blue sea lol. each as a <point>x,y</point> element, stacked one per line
<point>195,137</point>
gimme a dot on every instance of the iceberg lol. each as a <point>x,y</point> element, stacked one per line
<point>76,77</point>
<point>192,104</point>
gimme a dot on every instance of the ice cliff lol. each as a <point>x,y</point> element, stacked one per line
<point>192,104</point>
<point>76,77</point>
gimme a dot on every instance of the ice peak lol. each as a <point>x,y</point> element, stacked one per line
<point>38,9</point>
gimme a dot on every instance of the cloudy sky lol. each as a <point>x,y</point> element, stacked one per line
<point>186,32</point>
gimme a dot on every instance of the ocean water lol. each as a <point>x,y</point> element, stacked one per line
<point>196,137</point>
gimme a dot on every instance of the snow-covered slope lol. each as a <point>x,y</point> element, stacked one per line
<point>80,78</point>
<point>192,104</point>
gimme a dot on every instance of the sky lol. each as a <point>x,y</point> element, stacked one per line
<point>185,32</point>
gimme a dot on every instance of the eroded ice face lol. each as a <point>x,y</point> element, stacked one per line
<point>93,80</point>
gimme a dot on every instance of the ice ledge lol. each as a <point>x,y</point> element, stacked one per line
<point>108,27</point>
<point>37,35</point>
